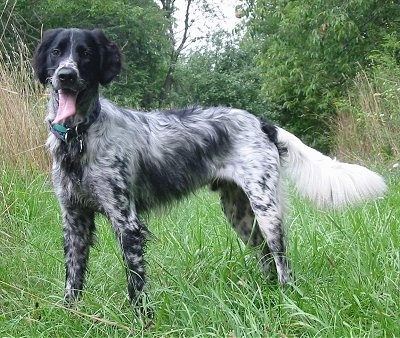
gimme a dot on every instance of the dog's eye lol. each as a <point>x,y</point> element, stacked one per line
<point>56,52</point>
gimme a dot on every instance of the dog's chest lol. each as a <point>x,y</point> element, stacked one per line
<point>72,176</point>
<point>77,187</point>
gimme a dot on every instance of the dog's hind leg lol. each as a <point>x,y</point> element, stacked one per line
<point>79,230</point>
<point>263,191</point>
<point>237,209</point>
<point>267,208</point>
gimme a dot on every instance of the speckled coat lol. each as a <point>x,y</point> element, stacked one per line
<point>122,163</point>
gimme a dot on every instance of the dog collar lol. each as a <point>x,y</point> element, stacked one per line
<point>66,133</point>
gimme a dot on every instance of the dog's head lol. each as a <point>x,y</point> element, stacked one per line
<point>74,61</point>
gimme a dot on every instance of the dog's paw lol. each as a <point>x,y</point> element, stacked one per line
<point>142,306</point>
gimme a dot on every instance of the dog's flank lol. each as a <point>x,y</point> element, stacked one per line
<point>122,163</point>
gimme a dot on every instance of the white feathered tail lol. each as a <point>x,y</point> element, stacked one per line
<point>327,182</point>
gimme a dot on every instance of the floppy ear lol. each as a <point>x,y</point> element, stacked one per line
<point>39,60</point>
<point>110,55</point>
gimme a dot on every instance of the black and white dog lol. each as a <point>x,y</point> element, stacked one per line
<point>122,163</point>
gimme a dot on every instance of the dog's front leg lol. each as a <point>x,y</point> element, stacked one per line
<point>79,230</point>
<point>131,233</point>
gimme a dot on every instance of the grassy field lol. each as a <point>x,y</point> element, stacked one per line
<point>202,281</point>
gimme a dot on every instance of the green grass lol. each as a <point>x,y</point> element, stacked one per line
<point>202,281</point>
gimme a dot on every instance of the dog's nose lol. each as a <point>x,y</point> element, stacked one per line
<point>67,75</point>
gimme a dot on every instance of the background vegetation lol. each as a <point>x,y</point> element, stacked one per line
<point>312,50</point>
<point>293,61</point>
<point>327,70</point>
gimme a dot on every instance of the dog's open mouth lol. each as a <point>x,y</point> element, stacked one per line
<point>66,105</point>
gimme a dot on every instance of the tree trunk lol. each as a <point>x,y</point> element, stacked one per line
<point>169,8</point>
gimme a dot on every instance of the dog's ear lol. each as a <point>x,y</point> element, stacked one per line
<point>111,58</point>
<point>39,60</point>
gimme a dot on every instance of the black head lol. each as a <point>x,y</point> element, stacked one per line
<point>66,56</point>
<point>75,61</point>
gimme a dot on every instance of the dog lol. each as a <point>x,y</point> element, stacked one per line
<point>122,163</point>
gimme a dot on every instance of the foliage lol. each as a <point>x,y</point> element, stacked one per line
<point>368,120</point>
<point>295,64</point>
<point>180,34</point>
<point>138,27</point>
<point>221,74</point>
<point>310,49</point>
<point>385,64</point>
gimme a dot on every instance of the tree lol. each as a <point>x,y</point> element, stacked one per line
<point>310,49</point>
<point>169,8</point>
<point>222,73</point>
<point>181,40</point>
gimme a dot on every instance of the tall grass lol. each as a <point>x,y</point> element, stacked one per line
<point>368,124</point>
<point>22,105</point>
<point>202,281</point>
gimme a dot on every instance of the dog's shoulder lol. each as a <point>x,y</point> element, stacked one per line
<point>112,112</point>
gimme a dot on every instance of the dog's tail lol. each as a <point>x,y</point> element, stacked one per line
<point>325,181</point>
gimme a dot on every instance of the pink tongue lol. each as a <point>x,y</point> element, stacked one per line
<point>66,105</point>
